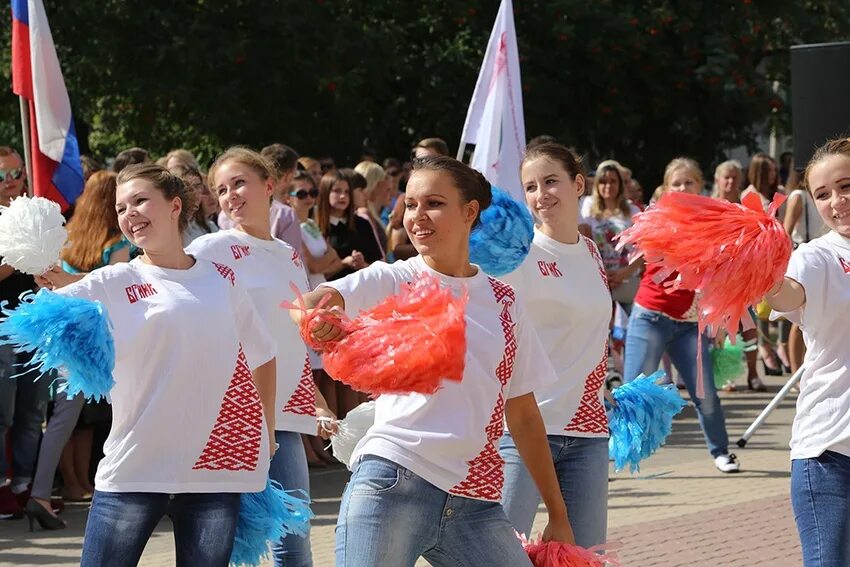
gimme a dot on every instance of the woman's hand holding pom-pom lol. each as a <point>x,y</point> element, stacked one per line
<point>327,325</point>
<point>559,531</point>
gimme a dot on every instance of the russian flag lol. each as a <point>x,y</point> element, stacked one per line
<point>36,76</point>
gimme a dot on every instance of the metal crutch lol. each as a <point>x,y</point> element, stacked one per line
<point>777,399</point>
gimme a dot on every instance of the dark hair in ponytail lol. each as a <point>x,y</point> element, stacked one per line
<point>471,184</point>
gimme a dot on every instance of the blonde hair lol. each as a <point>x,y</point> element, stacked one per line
<point>308,162</point>
<point>683,163</point>
<point>597,206</point>
<point>728,165</point>
<point>245,156</point>
<point>372,172</point>
<point>608,163</point>
<point>185,157</point>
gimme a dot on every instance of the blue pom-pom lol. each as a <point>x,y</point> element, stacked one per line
<point>264,518</point>
<point>641,420</point>
<point>69,334</point>
<point>502,239</point>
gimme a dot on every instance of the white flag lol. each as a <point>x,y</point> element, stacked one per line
<point>494,122</point>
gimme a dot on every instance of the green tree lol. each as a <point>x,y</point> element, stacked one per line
<point>640,81</point>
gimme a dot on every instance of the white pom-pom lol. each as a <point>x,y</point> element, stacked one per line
<point>32,234</point>
<point>351,430</point>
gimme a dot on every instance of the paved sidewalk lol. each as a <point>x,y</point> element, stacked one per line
<point>678,511</point>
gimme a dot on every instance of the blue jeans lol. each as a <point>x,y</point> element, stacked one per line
<point>391,516</point>
<point>289,468</point>
<point>582,468</point>
<point>650,335</point>
<point>120,524</point>
<point>821,501</point>
<point>23,406</point>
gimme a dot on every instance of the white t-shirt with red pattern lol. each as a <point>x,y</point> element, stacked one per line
<point>569,305</point>
<point>186,416</point>
<point>822,423</point>
<point>266,268</point>
<point>450,438</point>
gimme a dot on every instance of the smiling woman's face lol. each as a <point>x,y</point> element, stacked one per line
<point>145,216</point>
<point>435,216</point>
<point>829,182</point>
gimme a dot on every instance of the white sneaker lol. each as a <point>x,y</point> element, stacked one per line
<point>727,463</point>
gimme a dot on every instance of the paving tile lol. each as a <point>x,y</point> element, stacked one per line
<point>678,510</point>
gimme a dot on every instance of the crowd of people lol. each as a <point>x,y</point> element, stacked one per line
<point>544,343</point>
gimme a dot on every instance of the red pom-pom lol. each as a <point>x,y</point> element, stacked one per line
<point>730,254</point>
<point>556,554</point>
<point>410,342</point>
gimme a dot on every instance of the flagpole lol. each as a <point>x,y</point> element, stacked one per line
<point>25,136</point>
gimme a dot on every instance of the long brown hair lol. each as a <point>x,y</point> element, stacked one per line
<point>323,207</point>
<point>759,175</point>
<point>94,226</point>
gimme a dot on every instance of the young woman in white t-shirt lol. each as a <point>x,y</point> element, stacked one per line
<point>564,283</point>
<point>194,394</point>
<point>427,475</point>
<point>815,294</point>
<point>802,223</point>
<point>243,182</point>
<point>319,258</point>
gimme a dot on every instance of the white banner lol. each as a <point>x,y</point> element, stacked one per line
<point>495,122</point>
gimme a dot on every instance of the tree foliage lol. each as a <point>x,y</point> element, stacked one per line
<point>638,80</point>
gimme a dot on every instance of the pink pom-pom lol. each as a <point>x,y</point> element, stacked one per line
<point>410,342</point>
<point>556,554</point>
<point>730,254</point>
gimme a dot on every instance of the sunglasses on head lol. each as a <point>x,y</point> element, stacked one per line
<point>11,174</point>
<point>303,193</point>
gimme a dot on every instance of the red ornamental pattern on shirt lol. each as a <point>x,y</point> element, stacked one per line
<point>594,251</point>
<point>296,259</point>
<point>303,400</point>
<point>590,416</point>
<point>225,272</point>
<point>486,477</point>
<point>234,442</point>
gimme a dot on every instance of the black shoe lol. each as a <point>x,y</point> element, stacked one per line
<point>772,371</point>
<point>35,512</point>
